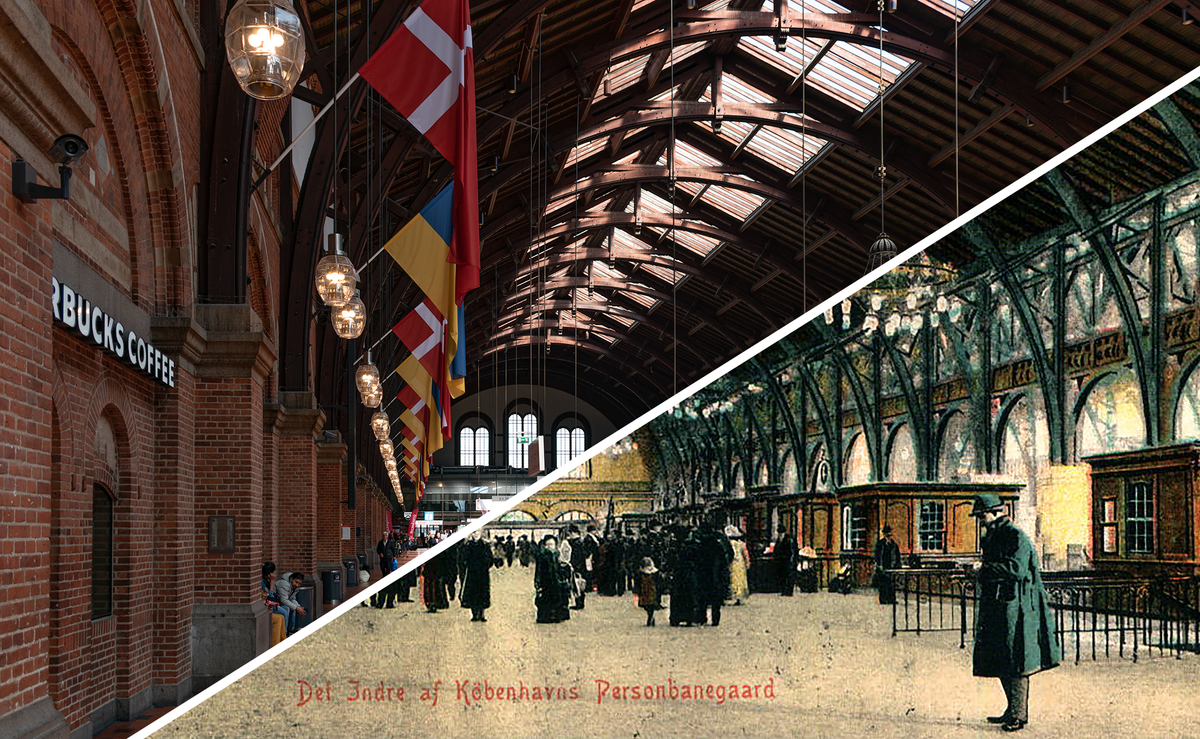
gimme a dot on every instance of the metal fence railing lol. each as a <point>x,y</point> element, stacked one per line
<point>1097,615</point>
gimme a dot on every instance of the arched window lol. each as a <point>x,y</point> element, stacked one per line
<point>102,553</point>
<point>522,429</point>
<point>474,446</point>
<point>569,443</point>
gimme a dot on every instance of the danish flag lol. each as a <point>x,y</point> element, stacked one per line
<point>423,331</point>
<point>426,70</point>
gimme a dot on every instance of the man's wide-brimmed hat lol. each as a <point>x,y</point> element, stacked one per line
<point>732,531</point>
<point>985,502</point>
<point>807,553</point>
<point>648,566</point>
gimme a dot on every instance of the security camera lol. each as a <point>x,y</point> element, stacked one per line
<point>68,149</point>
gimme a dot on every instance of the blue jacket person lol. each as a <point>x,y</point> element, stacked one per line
<point>1014,630</point>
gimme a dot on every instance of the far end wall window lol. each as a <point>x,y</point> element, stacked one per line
<point>102,553</point>
<point>474,447</point>
<point>568,443</point>
<point>522,429</point>
<point>932,526</point>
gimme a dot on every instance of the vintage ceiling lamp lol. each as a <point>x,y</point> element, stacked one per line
<point>366,377</point>
<point>381,426</point>
<point>350,319</point>
<point>386,449</point>
<point>336,276</point>
<point>264,43</point>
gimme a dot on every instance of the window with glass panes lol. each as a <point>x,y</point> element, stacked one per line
<point>854,526</point>
<point>522,429</point>
<point>567,444</point>
<point>474,446</point>
<point>931,527</point>
<point>1139,518</point>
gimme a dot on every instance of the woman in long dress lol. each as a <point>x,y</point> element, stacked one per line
<point>739,581</point>
<point>551,583</point>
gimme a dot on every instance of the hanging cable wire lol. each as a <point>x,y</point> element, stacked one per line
<point>882,168</point>
<point>674,229</point>
<point>804,148</point>
<point>956,93</point>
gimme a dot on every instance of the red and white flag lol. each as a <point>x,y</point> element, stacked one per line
<point>423,331</point>
<point>426,70</point>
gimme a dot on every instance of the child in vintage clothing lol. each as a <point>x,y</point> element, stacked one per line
<point>649,591</point>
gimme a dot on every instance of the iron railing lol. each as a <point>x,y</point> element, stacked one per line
<point>1097,615</point>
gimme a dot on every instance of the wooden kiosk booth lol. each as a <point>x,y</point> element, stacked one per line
<point>931,521</point>
<point>1144,510</point>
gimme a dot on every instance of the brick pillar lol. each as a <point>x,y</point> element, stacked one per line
<point>297,426</point>
<point>230,622</point>
<point>331,491</point>
<point>174,511</point>
<point>270,512</point>
<point>26,359</point>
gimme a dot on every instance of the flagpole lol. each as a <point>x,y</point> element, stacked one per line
<point>295,140</point>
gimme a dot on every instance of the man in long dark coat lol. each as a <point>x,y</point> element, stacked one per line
<point>783,559</point>
<point>1014,631</point>
<point>887,558</point>
<point>684,601</point>
<point>551,583</point>
<point>713,554</point>
<point>476,561</point>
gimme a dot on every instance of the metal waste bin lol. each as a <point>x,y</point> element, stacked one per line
<point>350,564</point>
<point>304,596</point>
<point>331,580</point>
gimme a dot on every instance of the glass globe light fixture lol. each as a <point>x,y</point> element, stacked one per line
<point>264,44</point>
<point>385,449</point>
<point>390,463</point>
<point>350,319</point>
<point>373,398</point>
<point>381,426</point>
<point>366,377</point>
<point>336,276</point>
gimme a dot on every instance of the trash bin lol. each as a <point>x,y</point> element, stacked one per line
<point>351,566</point>
<point>331,580</point>
<point>363,564</point>
<point>304,596</point>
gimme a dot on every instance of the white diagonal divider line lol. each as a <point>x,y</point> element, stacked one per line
<point>671,402</point>
<point>444,48</point>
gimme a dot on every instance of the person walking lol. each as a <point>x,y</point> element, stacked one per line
<point>649,589</point>
<point>887,558</point>
<point>739,567</point>
<point>552,589</point>
<point>1014,629</point>
<point>476,557</point>
<point>783,558</point>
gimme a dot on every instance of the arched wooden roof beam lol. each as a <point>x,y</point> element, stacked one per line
<point>565,341</point>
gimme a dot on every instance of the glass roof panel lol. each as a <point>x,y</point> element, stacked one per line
<point>641,298</point>
<point>601,269</point>
<point>735,202</point>
<point>579,153</point>
<point>849,72</point>
<point>626,74</point>
<point>784,148</point>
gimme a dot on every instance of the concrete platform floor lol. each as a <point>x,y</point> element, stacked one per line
<point>832,665</point>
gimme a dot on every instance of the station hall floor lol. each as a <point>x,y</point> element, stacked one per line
<point>828,662</point>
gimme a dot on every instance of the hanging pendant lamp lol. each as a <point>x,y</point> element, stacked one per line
<point>350,319</point>
<point>264,44</point>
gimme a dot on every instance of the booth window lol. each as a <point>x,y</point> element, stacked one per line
<point>1139,518</point>
<point>854,526</point>
<point>522,429</point>
<point>1108,525</point>
<point>102,553</point>
<point>474,447</point>
<point>568,443</point>
<point>931,531</point>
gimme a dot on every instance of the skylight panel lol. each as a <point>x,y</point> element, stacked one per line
<point>640,298</point>
<point>664,273</point>
<point>687,155</point>
<point>585,150</point>
<point>601,269</point>
<point>792,60</point>
<point>625,74</point>
<point>784,148</point>
<point>625,239</point>
<point>950,8</point>
<point>694,242</point>
<point>738,203</point>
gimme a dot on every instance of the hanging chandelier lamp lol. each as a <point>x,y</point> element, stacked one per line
<point>380,425</point>
<point>264,43</point>
<point>385,449</point>
<point>350,319</point>
<point>366,378</point>
<point>336,277</point>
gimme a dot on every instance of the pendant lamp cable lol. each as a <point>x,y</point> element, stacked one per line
<point>674,229</point>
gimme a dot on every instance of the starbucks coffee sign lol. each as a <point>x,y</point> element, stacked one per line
<point>95,323</point>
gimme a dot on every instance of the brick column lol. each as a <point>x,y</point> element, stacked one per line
<point>331,491</point>
<point>270,512</point>
<point>298,424</point>
<point>230,622</point>
<point>174,511</point>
